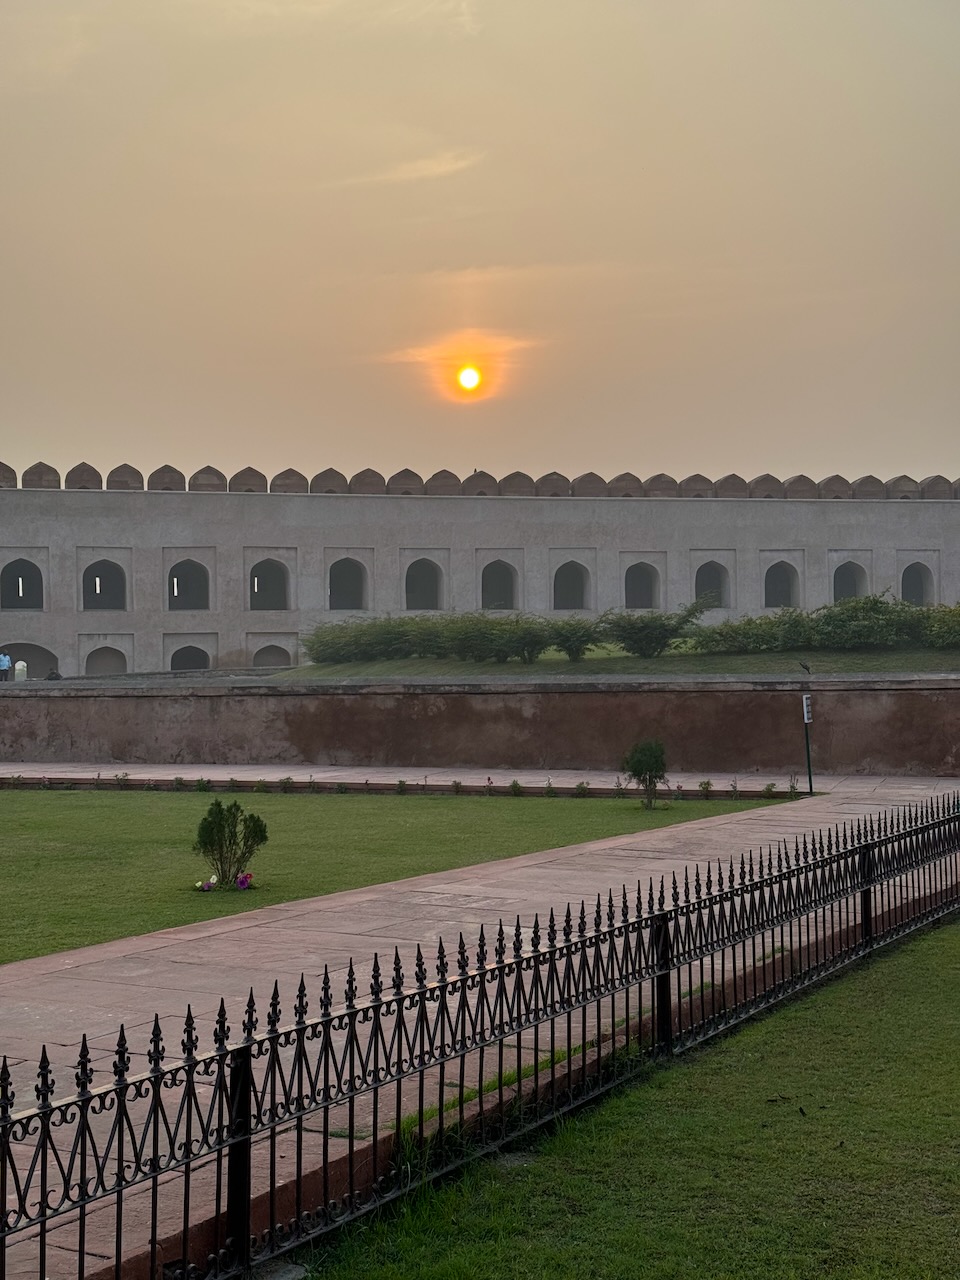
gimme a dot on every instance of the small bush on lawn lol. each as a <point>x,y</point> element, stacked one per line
<point>646,763</point>
<point>227,839</point>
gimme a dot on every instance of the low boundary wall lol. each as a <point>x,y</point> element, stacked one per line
<point>896,725</point>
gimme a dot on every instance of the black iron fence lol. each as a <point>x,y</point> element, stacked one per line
<point>205,1164</point>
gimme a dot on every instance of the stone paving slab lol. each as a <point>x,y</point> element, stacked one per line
<point>55,998</point>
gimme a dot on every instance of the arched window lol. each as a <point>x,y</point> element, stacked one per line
<point>348,584</point>
<point>105,661</point>
<point>570,584</point>
<point>104,586</point>
<point>190,658</point>
<point>188,587</point>
<point>21,586</point>
<point>713,584</point>
<point>268,585</point>
<point>849,581</point>
<point>781,587</point>
<point>916,584</point>
<point>498,586</point>
<point>271,655</point>
<point>641,587</point>
<point>423,585</point>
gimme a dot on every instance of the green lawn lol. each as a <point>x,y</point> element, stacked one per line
<point>82,867</point>
<point>614,662</point>
<point>820,1143</point>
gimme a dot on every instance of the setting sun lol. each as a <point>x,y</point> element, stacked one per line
<point>469,378</point>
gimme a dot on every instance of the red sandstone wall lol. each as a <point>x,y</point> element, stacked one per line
<point>877,727</point>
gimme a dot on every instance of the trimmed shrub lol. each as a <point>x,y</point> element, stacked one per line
<point>646,635</point>
<point>574,636</point>
<point>646,763</point>
<point>944,627</point>
<point>227,839</point>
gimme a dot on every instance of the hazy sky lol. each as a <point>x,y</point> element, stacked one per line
<point>678,235</point>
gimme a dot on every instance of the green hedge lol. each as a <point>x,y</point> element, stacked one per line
<point>873,622</point>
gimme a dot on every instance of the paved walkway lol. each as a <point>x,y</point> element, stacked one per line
<point>54,999</point>
<point>387,776</point>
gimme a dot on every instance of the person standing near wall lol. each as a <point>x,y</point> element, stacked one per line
<point>6,662</point>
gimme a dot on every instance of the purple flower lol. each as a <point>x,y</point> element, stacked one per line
<point>244,880</point>
<point>208,885</point>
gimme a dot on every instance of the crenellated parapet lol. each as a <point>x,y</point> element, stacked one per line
<point>481,484</point>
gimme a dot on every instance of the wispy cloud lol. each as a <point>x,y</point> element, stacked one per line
<point>440,165</point>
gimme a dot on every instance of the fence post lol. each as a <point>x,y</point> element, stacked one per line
<point>866,895</point>
<point>662,950</point>
<point>238,1153</point>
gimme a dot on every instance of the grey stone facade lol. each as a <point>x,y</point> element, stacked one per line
<point>181,574</point>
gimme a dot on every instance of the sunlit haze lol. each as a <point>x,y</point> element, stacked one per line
<point>668,235</point>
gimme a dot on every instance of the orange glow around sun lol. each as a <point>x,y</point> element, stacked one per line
<point>469,365</point>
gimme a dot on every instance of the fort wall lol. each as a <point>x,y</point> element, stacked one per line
<point>211,571</point>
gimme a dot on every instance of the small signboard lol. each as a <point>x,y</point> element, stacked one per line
<point>808,708</point>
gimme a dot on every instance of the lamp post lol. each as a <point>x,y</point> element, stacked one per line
<point>807,721</point>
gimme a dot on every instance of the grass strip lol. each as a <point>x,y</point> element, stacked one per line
<point>613,662</point>
<point>84,867</point>
<point>818,1143</point>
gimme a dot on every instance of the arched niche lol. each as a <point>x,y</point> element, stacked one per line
<point>480,485</point>
<point>405,483</point>
<point>188,586</point>
<point>835,487</point>
<point>641,587</point>
<point>125,477</point>
<point>766,486</point>
<point>423,585</point>
<point>190,658</point>
<point>518,485</point>
<point>849,581</point>
<point>571,586</point>
<point>167,479</point>
<point>625,485</point>
<point>105,661</point>
<point>917,585</point>
<point>208,480</point>
<point>348,585</point>
<point>21,585</point>
<point>800,487</point>
<point>553,485</point>
<point>40,476</point>
<point>330,481</point>
<point>589,485</point>
<point>731,486</point>
<point>83,476</point>
<point>442,484</point>
<point>37,660</point>
<point>368,481</point>
<point>696,486</point>
<point>781,587</point>
<point>249,480</point>
<point>661,486</point>
<point>269,585</point>
<point>289,481</point>
<point>8,477</point>
<point>272,655</point>
<point>104,586</point>
<point>712,584</point>
<point>498,586</point>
